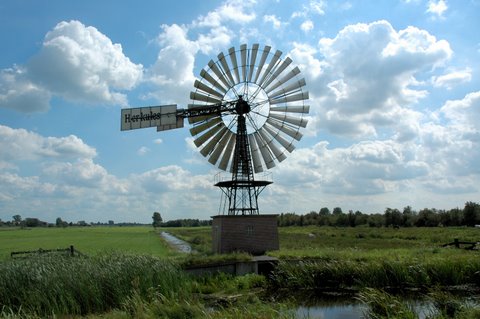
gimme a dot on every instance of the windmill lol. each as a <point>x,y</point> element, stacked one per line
<point>246,113</point>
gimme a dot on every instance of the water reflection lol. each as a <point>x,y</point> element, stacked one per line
<point>353,311</point>
<point>346,306</point>
<point>177,243</point>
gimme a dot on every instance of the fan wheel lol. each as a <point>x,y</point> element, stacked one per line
<point>257,84</point>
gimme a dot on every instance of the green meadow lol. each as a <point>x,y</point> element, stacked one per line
<point>314,241</point>
<point>87,240</point>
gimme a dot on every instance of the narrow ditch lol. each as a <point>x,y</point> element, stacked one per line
<point>176,243</point>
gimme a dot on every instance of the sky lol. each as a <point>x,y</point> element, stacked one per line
<point>394,105</point>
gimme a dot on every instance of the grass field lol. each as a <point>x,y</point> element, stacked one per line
<point>313,241</point>
<point>88,240</point>
<point>295,242</point>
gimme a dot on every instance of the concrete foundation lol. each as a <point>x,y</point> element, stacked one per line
<point>254,234</point>
<point>262,265</point>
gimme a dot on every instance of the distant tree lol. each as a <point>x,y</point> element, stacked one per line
<point>471,214</point>
<point>157,220</point>
<point>301,220</point>
<point>324,220</point>
<point>351,218</point>
<point>360,218</point>
<point>337,211</point>
<point>17,220</point>
<point>408,216</point>
<point>60,223</point>
<point>288,219</point>
<point>172,223</point>
<point>82,223</point>
<point>324,211</point>
<point>311,218</point>
<point>376,220</point>
<point>455,217</point>
<point>427,218</point>
<point>34,222</point>
<point>341,219</point>
<point>393,217</point>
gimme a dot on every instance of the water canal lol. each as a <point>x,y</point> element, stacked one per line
<point>346,307</point>
<point>176,243</point>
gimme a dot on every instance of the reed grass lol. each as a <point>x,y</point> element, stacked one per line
<point>354,273</point>
<point>125,286</point>
<point>381,305</point>
<point>63,285</point>
<point>438,305</point>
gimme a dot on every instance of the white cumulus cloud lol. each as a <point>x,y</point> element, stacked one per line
<point>173,70</point>
<point>437,7</point>
<point>275,21</point>
<point>230,11</point>
<point>143,150</point>
<point>368,76</point>
<point>26,145</point>
<point>76,62</point>
<point>18,92</point>
<point>453,78</point>
<point>307,26</point>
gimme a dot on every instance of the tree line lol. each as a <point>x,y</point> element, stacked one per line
<point>392,217</point>
<point>18,221</point>
<point>189,222</point>
<point>469,215</point>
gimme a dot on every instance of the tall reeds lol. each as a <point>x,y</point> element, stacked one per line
<point>64,285</point>
<point>386,273</point>
<point>437,305</point>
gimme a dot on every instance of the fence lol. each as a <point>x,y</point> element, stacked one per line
<point>70,251</point>
<point>470,245</point>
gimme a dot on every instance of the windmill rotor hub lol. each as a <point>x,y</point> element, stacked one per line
<point>242,107</point>
<point>258,110</point>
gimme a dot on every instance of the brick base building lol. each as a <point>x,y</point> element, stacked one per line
<point>254,234</point>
